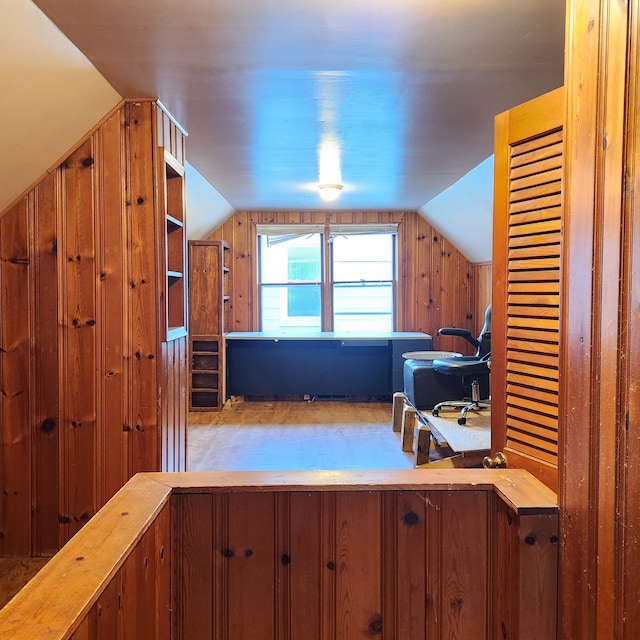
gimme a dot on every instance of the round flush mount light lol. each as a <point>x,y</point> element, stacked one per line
<point>330,192</point>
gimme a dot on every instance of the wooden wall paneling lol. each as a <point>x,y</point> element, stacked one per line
<point>284,607</point>
<point>183,416</point>
<point>15,465</point>
<point>196,553</point>
<point>170,135</point>
<point>46,420</point>
<point>593,470</point>
<point>174,376</point>
<point>263,557</point>
<point>415,291</point>
<point>526,547</point>
<point>138,590</point>
<point>84,630</point>
<point>328,579</point>
<point>178,413</point>
<point>481,285</point>
<point>504,568</point>
<point>164,402</point>
<point>251,565</point>
<point>457,561</point>
<point>404,578</point>
<point>105,618</point>
<point>112,310</point>
<point>611,250</point>
<point>629,501</point>
<point>79,415</point>
<point>304,565</point>
<point>161,574</point>
<point>358,563</point>
<point>436,289</point>
<point>167,405</point>
<point>91,325</point>
<point>244,267</point>
<point>143,303</point>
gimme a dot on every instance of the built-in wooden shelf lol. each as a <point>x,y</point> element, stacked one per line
<point>209,303</point>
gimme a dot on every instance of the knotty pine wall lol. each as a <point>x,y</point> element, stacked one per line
<point>437,285</point>
<point>351,564</point>
<point>90,395</point>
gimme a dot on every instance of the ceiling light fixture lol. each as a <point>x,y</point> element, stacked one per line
<point>330,192</point>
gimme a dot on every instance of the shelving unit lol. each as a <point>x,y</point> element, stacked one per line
<point>209,321</point>
<point>174,321</point>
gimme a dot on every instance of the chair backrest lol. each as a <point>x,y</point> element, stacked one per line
<point>484,339</point>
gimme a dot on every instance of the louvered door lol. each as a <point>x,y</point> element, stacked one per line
<point>527,281</point>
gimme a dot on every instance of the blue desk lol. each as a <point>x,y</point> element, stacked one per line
<point>319,364</point>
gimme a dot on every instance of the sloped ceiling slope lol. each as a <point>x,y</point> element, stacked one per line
<point>51,96</point>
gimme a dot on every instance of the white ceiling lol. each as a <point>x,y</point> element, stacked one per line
<point>400,95</point>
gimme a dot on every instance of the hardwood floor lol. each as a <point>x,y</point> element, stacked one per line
<point>15,573</point>
<point>254,436</point>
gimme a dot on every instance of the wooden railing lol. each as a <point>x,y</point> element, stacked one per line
<point>300,555</point>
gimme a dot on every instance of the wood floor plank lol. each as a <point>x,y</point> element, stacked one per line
<point>254,436</point>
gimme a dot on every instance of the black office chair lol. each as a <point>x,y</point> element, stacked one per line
<point>473,369</point>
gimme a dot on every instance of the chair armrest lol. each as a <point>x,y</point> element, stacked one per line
<point>460,333</point>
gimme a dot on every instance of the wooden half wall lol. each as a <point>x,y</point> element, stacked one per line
<point>341,555</point>
<point>90,394</point>
<point>437,285</point>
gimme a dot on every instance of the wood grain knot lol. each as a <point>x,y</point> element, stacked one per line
<point>331,565</point>
<point>375,624</point>
<point>88,162</point>
<point>227,553</point>
<point>140,200</point>
<point>48,425</point>
<point>410,518</point>
<point>553,539</point>
<point>248,553</point>
<point>530,539</point>
<point>285,559</point>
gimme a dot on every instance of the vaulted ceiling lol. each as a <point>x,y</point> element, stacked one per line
<point>393,99</point>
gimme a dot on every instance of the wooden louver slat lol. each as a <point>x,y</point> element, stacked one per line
<point>533,291</point>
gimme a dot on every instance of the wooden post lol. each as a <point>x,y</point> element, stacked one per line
<point>408,427</point>
<point>396,412</point>
<point>423,444</point>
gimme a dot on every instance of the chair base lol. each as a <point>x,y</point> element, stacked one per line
<point>465,406</point>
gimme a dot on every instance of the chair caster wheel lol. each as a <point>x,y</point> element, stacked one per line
<point>462,421</point>
<point>434,412</point>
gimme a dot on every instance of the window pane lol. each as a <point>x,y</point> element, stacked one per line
<point>294,258</point>
<point>363,257</point>
<point>290,307</point>
<point>363,307</point>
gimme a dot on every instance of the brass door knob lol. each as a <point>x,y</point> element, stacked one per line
<point>499,461</point>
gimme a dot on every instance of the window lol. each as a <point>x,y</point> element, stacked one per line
<point>327,278</point>
<point>290,280</point>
